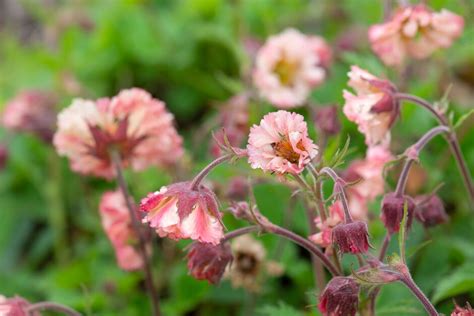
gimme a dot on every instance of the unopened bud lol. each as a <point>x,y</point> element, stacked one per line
<point>351,237</point>
<point>340,297</point>
<point>327,121</point>
<point>238,188</point>
<point>208,262</point>
<point>430,210</point>
<point>393,209</point>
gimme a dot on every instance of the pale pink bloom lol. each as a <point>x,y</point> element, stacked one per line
<point>288,66</point>
<point>281,143</point>
<point>132,122</point>
<point>117,224</point>
<point>31,111</point>
<point>178,212</point>
<point>15,306</point>
<point>414,31</point>
<point>323,238</point>
<point>369,172</point>
<point>372,108</point>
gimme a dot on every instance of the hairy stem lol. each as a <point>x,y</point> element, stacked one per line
<point>408,281</point>
<point>453,141</point>
<point>305,243</point>
<point>204,172</point>
<point>52,307</point>
<point>154,299</point>
<point>241,231</point>
<point>342,192</point>
<point>385,243</point>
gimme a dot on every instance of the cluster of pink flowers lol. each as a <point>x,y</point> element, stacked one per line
<point>178,211</point>
<point>289,65</point>
<point>117,224</point>
<point>133,123</point>
<point>367,176</point>
<point>373,107</point>
<point>280,143</point>
<point>414,31</point>
<point>31,111</point>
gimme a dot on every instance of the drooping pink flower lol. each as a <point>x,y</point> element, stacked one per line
<point>31,111</point>
<point>117,225</point>
<point>373,107</point>
<point>323,238</point>
<point>340,297</point>
<point>233,122</point>
<point>208,262</point>
<point>132,122</point>
<point>351,237</point>
<point>289,65</point>
<point>15,306</point>
<point>414,31</point>
<point>281,143</point>
<point>178,212</point>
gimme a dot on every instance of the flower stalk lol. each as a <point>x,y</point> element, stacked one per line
<point>204,172</point>
<point>152,292</point>
<point>51,306</point>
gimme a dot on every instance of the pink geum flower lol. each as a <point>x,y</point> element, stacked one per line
<point>178,212</point>
<point>414,31</point>
<point>323,238</point>
<point>31,111</point>
<point>281,143</point>
<point>133,123</point>
<point>117,224</point>
<point>288,66</point>
<point>15,306</point>
<point>373,108</point>
<point>460,311</point>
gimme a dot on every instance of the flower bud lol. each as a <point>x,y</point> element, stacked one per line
<point>459,311</point>
<point>327,121</point>
<point>430,210</point>
<point>340,297</point>
<point>351,237</point>
<point>3,156</point>
<point>208,262</point>
<point>238,188</point>
<point>393,209</point>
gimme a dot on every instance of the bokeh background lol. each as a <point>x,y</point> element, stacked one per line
<point>195,55</point>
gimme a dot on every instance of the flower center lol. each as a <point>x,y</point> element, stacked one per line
<point>284,149</point>
<point>247,263</point>
<point>286,71</point>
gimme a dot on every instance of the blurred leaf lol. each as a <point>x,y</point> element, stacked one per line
<point>280,310</point>
<point>457,282</point>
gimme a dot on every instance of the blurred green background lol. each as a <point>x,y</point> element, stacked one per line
<point>190,53</point>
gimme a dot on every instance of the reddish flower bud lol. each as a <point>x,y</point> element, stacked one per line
<point>327,121</point>
<point>238,188</point>
<point>430,210</point>
<point>393,209</point>
<point>208,262</point>
<point>3,156</point>
<point>351,237</point>
<point>340,297</point>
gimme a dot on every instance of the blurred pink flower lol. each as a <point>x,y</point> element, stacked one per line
<point>373,108</point>
<point>281,143</point>
<point>31,111</point>
<point>15,306</point>
<point>324,237</point>
<point>459,311</point>
<point>132,122</point>
<point>289,65</point>
<point>117,224</point>
<point>414,31</point>
<point>234,123</point>
<point>178,212</point>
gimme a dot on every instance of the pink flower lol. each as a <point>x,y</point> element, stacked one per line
<point>117,224</point>
<point>15,306</point>
<point>289,65</point>
<point>373,108</point>
<point>281,143</point>
<point>324,237</point>
<point>31,111</point>
<point>459,311</point>
<point>179,212</point>
<point>134,123</point>
<point>414,31</point>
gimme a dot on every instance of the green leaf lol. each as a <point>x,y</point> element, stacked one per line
<point>281,310</point>
<point>463,118</point>
<point>460,281</point>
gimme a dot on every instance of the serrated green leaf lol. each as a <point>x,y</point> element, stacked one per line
<point>460,281</point>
